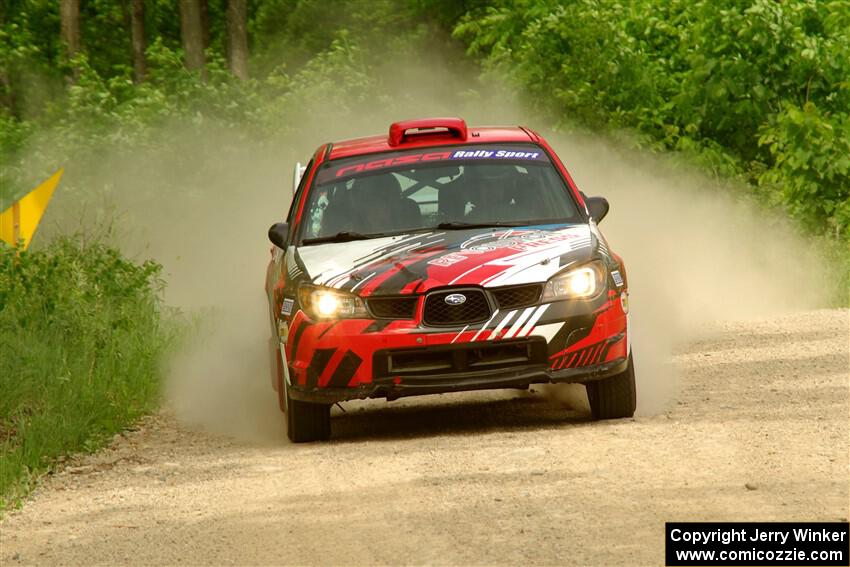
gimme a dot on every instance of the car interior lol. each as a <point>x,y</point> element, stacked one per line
<point>393,201</point>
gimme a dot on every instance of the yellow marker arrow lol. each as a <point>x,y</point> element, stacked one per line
<point>20,221</point>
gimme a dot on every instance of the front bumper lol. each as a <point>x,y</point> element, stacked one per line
<point>331,361</point>
<point>519,377</point>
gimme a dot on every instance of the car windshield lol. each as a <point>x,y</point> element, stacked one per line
<point>445,188</point>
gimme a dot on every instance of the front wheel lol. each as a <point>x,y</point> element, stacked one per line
<point>305,421</point>
<point>613,397</point>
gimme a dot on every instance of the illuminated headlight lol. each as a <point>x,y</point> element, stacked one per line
<point>327,303</point>
<point>578,283</point>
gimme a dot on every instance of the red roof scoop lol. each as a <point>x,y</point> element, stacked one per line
<point>413,130</point>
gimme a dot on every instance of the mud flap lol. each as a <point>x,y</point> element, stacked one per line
<point>282,377</point>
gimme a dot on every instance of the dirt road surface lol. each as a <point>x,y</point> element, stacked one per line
<point>758,431</point>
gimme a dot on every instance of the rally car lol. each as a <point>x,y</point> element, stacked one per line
<point>442,258</point>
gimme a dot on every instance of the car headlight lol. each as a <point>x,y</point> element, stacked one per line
<point>327,303</point>
<point>578,283</point>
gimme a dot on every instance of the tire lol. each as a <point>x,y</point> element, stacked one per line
<point>614,397</point>
<point>306,422</point>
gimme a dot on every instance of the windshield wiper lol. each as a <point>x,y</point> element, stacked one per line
<point>462,225</point>
<point>344,236</point>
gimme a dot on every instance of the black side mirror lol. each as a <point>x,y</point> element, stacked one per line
<point>278,234</point>
<point>598,207</point>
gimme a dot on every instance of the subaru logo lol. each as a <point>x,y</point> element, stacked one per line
<point>455,299</point>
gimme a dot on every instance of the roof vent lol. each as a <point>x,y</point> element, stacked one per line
<point>410,130</point>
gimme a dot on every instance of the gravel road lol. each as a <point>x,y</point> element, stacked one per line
<point>758,431</point>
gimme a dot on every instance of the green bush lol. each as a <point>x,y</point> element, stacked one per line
<point>110,113</point>
<point>811,166</point>
<point>82,339</point>
<point>752,89</point>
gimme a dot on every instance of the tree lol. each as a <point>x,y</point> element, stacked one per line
<point>69,13</point>
<point>205,21</point>
<point>137,30</point>
<point>192,32</point>
<point>237,37</point>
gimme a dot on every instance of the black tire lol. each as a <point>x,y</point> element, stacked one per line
<point>307,422</point>
<point>614,397</point>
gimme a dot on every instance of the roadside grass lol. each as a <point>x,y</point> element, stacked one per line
<point>837,256</point>
<point>83,334</point>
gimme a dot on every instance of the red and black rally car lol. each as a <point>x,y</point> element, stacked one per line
<point>442,258</point>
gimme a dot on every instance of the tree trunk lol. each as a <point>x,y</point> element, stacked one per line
<point>205,21</point>
<point>137,29</point>
<point>69,13</point>
<point>237,37</point>
<point>191,28</point>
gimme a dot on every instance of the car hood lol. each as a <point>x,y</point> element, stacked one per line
<point>418,262</point>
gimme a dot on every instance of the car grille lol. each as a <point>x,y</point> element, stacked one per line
<point>451,359</point>
<point>393,307</point>
<point>474,309</point>
<point>517,296</point>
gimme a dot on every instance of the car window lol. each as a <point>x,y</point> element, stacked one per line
<point>403,191</point>
<point>299,191</point>
<point>298,195</point>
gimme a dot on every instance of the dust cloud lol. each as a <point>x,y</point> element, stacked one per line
<point>202,209</point>
<point>695,255</point>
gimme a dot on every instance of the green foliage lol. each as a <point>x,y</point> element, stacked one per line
<point>113,113</point>
<point>752,89</point>
<point>30,73</point>
<point>811,172</point>
<point>81,342</point>
<point>13,136</point>
<point>295,31</point>
<point>303,53</point>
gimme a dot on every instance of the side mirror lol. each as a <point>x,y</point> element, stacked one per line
<point>278,234</point>
<point>598,207</point>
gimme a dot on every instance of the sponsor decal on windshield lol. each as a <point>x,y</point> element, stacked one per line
<point>349,167</point>
<point>390,162</point>
<point>494,154</point>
